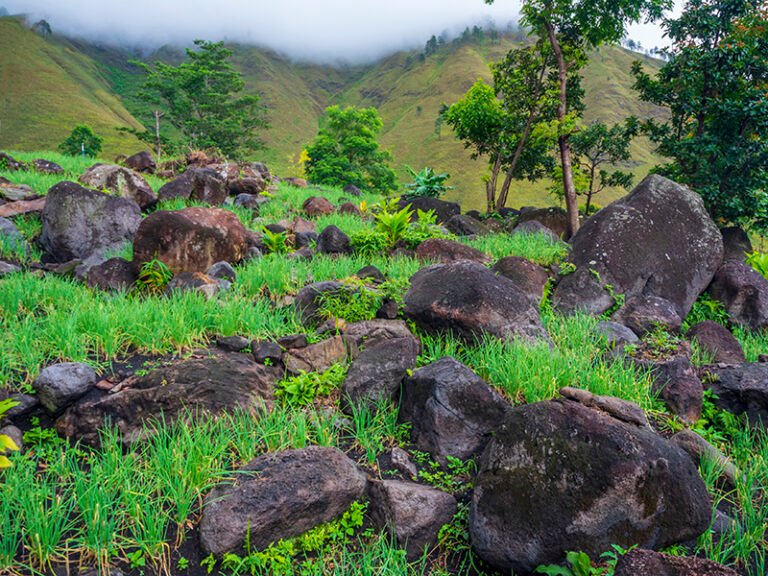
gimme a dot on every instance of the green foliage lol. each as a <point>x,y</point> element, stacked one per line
<point>714,87</point>
<point>274,242</point>
<point>706,308</point>
<point>580,564</point>
<point>427,183</point>
<point>201,98</point>
<point>82,141</point>
<point>369,243</point>
<point>153,277</point>
<point>346,151</point>
<point>455,478</point>
<point>354,302</point>
<point>302,390</point>
<point>759,261</point>
<point>393,224</point>
<point>716,425</point>
<point>6,442</point>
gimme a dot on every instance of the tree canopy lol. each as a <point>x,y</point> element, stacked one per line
<point>346,151</point>
<point>82,140</point>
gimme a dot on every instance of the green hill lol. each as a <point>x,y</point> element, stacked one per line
<point>47,86</point>
<point>69,81</point>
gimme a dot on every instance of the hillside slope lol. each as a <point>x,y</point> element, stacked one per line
<point>47,87</point>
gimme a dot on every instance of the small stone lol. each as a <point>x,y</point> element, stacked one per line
<point>59,385</point>
<point>233,343</point>
<point>293,341</point>
<point>402,462</point>
<point>266,352</point>
<point>222,271</point>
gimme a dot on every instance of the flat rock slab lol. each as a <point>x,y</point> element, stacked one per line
<point>278,496</point>
<point>212,385</point>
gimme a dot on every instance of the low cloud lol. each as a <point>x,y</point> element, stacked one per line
<point>318,30</point>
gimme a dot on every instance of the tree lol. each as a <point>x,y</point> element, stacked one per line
<point>595,148</point>
<point>346,151</point>
<point>715,85</point>
<point>82,140</point>
<point>201,99</point>
<point>431,46</point>
<point>572,27</point>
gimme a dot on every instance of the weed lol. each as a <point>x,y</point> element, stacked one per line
<point>455,478</point>
<point>706,308</point>
<point>759,261</point>
<point>154,277</point>
<point>427,183</point>
<point>393,224</point>
<point>275,242</point>
<point>302,390</point>
<point>369,243</point>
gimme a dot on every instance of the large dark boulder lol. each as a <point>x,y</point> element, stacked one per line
<point>736,244</point>
<point>47,167</point>
<point>470,300</point>
<point>675,380</point>
<point>640,562</point>
<point>212,385</point>
<point>644,314</point>
<point>78,223</point>
<point>142,162</point>
<point>200,184</point>
<point>279,496</point>
<point>121,181</point>
<point>452,411</point>
<point>115,274</point>
<point>744,293</point>
<point>443,210</point>
<point>445,251</point>
<point>741,389</point>
<point>378,372</point>
<point>333,241</point>
<point>361,335</point>
<point>717,342</point>
<point>464,225</point>
<point>529,277</point>
<point>190,240</point>
<point>309,299</point>
<point>561,476</point>
<point>413,513</point>
<point>657,241</point>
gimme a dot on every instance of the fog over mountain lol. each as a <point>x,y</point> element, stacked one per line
<point>317,30</point>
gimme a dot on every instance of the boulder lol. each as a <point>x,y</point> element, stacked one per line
<point>464,225</point>
<point>534,227</point>
<point>529,277</point>
<point>741,389</point>
<point>308,300</point>
<point>253,186</point>
<point>316,357</point>
<point>233,343</point>
<point>717,342</point>
<point>9,230</point>
<point>675,380</point>
<point>561,476</point>
<point>142,162</point>
<point>414,514</point>
<point>444,251</point>
<point>267,352</point>
<point>644,314</point>
<point>47,167</point>
<point>78,222</point>
<point>443,210</point>
<point>452,411</point>
<point>736,244</point>
<point>470,300</point>
<point>278,496</point>
<point>744,293</point>
<point>120,181</point>
<point>315,206</point>
<point>194,282</point>
<point>699,449</point>
<point>640,562</point>
<point>333,241</point>
<point>8,162</point>
<point>378,372</point>
<point>222,271</point>
<point>200,184</point>
<point>190,240</point>
<point>115,275</point>
<point>250,201</point>
<point>553,219</point>
<point>211,385</point>
<point>352,190</point>
<point>657,241</point>
<point>15,192</point>
<point>361,335</point>
<point>59,385</point>
<point>616,335</point>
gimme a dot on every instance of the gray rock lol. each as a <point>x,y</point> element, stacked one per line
<point>529,277</point>
<point>698,448</point>
<point>741,389</point>
<point>452,411</point>
<point>368,333</point>
<point>308,300</point>
<point>657,241</point>
<point>78,222</point>
<point>560,476</point>
<point>717,342</point>
<point>233,343</point>
<point>402,462</point>
<point>675,380</point>
<point>470,300</point>
<point>59,385</point>
<point>121,181</point>
<point>616,334</point>
<point>266,352</point>
<point>200,184</point>
<point>534,227</point>
<point>378,372</point>
<point>644,314</point>
<point>552,218</point>
<point>414,514</point>
<point>316,357</point>
<point>222,271</point>
<point>464,225</point>
<point>333,241</point>
<point>8,268</point>
<point>736,243</point>
<point>115,274</point>
<point>444,211</point>
<point>445,251</point>
<point>744,293</point>
<point>279,496</point>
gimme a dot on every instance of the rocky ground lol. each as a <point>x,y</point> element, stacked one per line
<point>209,369</point>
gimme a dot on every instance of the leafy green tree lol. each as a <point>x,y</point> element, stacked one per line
<point>82,140</point>
<point>715,85</point>
<point>346,151</point>
<point>597,147</point>
<point>573,27</point>
<point>201,98</point>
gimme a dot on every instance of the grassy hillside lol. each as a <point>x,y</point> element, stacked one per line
<point>47,87</point>
<point>67,82</point>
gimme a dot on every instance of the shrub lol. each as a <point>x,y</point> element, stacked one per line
<point>428,183</point>
<point>303,389</point>
<point>82,140</point>
<point>275,242</point>
<point>393,224</point>
<point>154,277</point>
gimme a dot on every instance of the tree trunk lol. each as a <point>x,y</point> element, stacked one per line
<point>490,186</point>
<point>569,189</point>
<point>158,141</point>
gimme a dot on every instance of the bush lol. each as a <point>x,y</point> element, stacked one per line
<point>82,140</point>
<point>427,183</point>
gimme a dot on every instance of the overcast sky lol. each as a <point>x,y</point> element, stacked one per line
<point>323,30</point>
